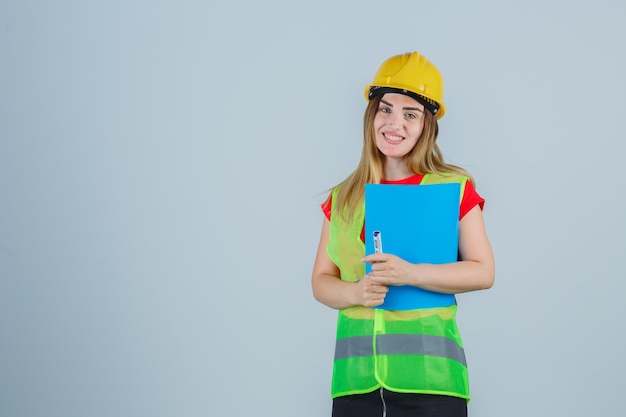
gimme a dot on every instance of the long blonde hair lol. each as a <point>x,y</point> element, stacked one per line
<point>425,157</point>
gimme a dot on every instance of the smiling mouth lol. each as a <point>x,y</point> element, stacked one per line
<point>393,138</point>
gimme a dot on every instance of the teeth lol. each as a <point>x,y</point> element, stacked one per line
<point>394,138</point>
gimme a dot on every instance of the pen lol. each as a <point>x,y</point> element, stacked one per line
<point>378,242</point>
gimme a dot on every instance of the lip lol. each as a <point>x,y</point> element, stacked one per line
<point>387,135</point>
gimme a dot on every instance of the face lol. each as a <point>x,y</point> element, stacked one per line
<point>398,125</point>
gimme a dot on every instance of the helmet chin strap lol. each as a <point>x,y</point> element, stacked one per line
<point>428,104</point>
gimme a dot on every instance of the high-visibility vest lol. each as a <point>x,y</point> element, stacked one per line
<point>417,351</point>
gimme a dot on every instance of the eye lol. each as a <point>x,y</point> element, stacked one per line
<point>385,110</point>
<point>417,115</point>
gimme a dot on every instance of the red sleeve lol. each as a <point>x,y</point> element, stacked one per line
<point>470,199</point>
<point>327,205</point>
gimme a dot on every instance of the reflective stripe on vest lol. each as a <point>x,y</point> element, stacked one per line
<point>405,351</point>
<point>400,344</point>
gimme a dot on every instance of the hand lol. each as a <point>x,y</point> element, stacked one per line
<point>370,293</point>
<point>389,269</point>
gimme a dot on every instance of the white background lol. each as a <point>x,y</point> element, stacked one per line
<point>161,170</point>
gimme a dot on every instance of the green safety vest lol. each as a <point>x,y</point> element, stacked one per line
<point>417,351</point>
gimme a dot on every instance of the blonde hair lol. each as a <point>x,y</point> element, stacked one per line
<point>424,158</point>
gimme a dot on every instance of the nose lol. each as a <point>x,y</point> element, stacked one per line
<point>395,121</point>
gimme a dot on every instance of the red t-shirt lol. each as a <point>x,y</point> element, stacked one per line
<point>470,197</point>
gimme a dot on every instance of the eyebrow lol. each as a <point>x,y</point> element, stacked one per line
<point>403,108</point>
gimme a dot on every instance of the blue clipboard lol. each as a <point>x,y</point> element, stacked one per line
<point>418,223</point>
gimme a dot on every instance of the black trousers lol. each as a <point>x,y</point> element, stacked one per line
<point>382,402</point>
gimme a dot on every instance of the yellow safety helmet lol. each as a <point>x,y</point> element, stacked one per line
<point>413,75</point>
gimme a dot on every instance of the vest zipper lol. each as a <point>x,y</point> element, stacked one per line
<point>379,321</point>
<point>382,398</point>
<point>379,328</point>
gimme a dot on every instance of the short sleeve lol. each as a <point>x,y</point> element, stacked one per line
<point>471,198</point>
<point>327,206</point>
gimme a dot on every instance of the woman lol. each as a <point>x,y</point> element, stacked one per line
<point>410,362</point>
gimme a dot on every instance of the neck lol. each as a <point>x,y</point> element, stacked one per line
<point>396,169</point>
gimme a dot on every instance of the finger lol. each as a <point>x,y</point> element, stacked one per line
<point>372,302</point>
<point>374,277</point>
<point>379,279</point>
<point>376,257</point>
<point>379,287</point>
